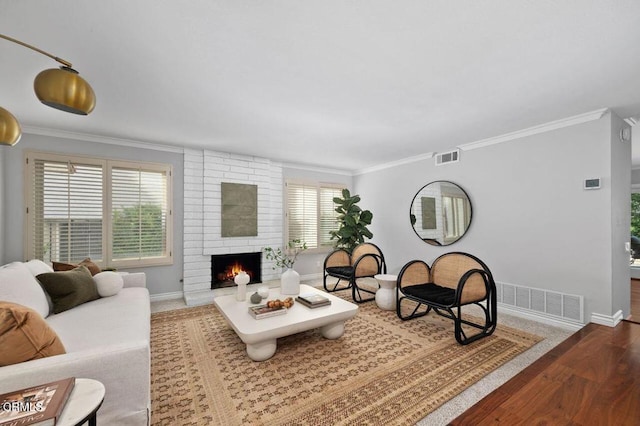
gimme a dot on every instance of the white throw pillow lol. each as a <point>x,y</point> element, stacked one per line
<point>109,283</point>
<point>37,267</point>
<point>17,285</point>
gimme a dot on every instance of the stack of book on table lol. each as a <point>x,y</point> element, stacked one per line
<point>313,300</point>
<point>38,405</point>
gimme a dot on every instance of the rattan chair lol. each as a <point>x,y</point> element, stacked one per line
<point>366,260</point>
<point>455,280</point>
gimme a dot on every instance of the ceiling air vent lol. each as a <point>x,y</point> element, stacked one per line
<point>448,157</point>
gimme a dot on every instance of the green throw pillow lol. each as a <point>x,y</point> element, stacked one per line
<point>69,288</point>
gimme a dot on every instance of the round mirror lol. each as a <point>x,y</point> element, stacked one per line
<point>440,213</point>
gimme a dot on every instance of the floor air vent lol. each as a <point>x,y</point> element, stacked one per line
<point>561,305</point>
<point>448,157</point>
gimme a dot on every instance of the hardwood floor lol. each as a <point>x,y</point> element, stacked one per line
<point>635,300</point>
<point>592,378</point>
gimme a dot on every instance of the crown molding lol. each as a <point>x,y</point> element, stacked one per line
<point>542,128</point>
<point>310,168</point>
<point>546,127</point>
<point>396,163</point>
<point>553,125</point>
<point>100,139</point>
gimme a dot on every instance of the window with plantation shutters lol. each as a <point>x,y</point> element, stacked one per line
<point>138,213</point>
<point>328,215</point>
<point>66,211</point>
<point>116,213</point>
<point>310,212</point>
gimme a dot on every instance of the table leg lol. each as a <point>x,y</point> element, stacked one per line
<point>262,351</point>
<point>332,331</point>
<point>386,298</point>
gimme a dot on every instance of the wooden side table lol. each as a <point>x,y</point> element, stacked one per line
<point>83,403</point>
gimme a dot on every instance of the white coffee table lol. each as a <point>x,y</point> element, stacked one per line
<point>260,335</point>
<point>386,294</point>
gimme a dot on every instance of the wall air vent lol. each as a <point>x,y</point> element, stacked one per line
<point>569,307</point>
<point>448,157</point>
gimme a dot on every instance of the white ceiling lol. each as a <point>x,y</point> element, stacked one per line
<point>342,84</point>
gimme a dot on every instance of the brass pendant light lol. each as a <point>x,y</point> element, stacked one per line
<point>61,89</point>
<point>10,131</point>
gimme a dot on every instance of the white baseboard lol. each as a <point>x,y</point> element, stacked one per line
<point>534,316</point>
<point>310,277</point>
<point>609,321</point>
<point>166,296</point>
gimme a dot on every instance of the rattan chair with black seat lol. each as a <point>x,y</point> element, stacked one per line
<point>454,281</point>
<point>365,261</point>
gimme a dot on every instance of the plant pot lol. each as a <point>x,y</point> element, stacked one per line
<point>290,282</point>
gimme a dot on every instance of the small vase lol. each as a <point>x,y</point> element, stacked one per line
<point>290,282</point>
<point>241,280</point>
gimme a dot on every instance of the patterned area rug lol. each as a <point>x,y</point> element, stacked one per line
<point>382,371</point>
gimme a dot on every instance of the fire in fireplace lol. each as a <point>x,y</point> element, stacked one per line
<point>224,268</point>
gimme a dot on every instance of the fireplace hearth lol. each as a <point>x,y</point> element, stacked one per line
<point>224,268</point>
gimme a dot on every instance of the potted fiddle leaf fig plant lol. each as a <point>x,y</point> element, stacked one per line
<point>353,222</point>
<point>290,279</point>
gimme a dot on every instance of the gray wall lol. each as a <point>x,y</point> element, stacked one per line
<point>620,218</point>
<point>310,263</point>
<point>635,180</point>
<point>160,279</point>
<point>533,223</point>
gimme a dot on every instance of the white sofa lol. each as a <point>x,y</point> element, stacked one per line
<point>106,339</point>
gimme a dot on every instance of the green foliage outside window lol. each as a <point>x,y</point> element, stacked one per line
<point>138,230</point>
<point>635,214</point>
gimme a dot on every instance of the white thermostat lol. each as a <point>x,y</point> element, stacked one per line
<point>593,183</point>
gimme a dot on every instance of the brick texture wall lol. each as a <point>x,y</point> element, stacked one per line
<point>204,171</point>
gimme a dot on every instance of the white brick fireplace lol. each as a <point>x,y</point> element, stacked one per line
<point>204,171</point>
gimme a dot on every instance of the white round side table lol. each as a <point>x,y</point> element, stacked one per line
<point>386,294</point>
<point>83,403</point>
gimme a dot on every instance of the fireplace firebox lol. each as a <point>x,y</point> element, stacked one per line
<point>224,268</point>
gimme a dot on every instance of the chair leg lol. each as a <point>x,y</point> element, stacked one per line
<point>356,293</point>
<point>486,329</point>
<point>414,314</point>
<point>335,287</point>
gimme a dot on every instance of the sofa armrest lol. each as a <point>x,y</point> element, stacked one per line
<point>123,369</point>
<point>134,279</point>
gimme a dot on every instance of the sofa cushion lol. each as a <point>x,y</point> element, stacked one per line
<point>114,320</point>
<point>93,268</point>
<point>340,271</point>
<point>37,267</point>
<point>17,285</point>
<point>25,335</point>
<point>69,288</point>
<point>109,283</point>
<point>433,292</point>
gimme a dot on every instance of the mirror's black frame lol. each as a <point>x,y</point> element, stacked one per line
<point>429,214</point>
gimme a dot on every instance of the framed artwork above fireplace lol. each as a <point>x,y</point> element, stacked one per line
<point>239,210</point>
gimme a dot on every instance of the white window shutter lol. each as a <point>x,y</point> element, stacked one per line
<point>310,212</point>
<point>67,206</point>
<point>138,213</point>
